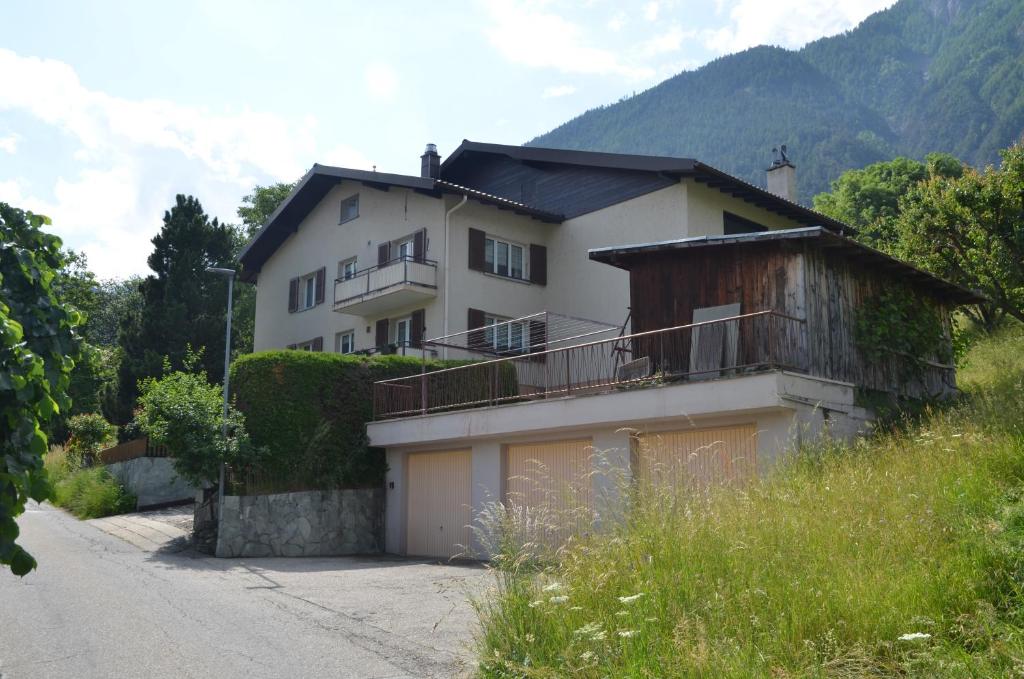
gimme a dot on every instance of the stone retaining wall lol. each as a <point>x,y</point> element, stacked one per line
<point>152,480</point>
<point>312,523</point>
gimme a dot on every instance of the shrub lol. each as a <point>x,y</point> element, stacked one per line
<point>89,434</point>
<point>87,492</point>
<point>309,411</point>
<point>184,412</point>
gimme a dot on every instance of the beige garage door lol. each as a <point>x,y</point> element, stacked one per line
<point>552,482</point>
<point>439,503</point>
<point>696,458</point>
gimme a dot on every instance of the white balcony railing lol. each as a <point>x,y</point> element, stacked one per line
<point>378,281</point>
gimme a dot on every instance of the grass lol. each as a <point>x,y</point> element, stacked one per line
<point>89,492</point>
<point>815,571</point>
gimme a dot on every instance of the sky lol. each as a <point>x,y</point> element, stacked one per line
<point>109,109</point>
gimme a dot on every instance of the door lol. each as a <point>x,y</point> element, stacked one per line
<point>713,347</point>
<point>551,481</point>
<point>439,503</point>
<point>697,458</point>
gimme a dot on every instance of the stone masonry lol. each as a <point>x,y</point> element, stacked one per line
<point>312,523</point>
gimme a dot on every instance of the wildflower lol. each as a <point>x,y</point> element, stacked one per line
<point>554,587</point>
<point>914,636</point>
<point>575,608</point>
<point>534,604</point>
<point>591,630</point>
<point>627,633</point>
<point>558,599</point>
<point>621,613</point>
<point>530,638</point>
<point>630,599</point>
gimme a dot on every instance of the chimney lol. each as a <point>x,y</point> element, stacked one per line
<point>782,175</point>
<point>430,163</point>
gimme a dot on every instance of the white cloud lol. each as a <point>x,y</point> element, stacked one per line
<point>525,33</point>
<point>132,156</point>
<point>788,23</point>
<point>558,91</point>
<point>667,42</point>
<point>346,156</point>
<point>381,80</point>
<point>651,11</point>
<point>9,143</point>
<point>616,23</point>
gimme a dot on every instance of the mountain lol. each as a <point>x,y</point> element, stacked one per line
<point>921,76</point>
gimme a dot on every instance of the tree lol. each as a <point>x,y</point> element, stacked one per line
<point>181,304</point>
<point>38,348</point>
<point>257,207</point>
<point>868,199</point>
<point>970,230</point>
<point>113,299</point>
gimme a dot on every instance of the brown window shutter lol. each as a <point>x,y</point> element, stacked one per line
<point>383,254</point>
<point>416,331</point>
<point>381,339</point>
<point>321,284</point>
<point>477,246</point>
<point>419,245</point>
<point>318,344</point>
<point>293,295</point>
<point>538,339</point>
<point>538,264</point>
<point>476,339</point>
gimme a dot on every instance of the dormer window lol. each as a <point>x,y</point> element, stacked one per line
<point>349,209</point>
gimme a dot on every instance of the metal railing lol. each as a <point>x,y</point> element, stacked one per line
<point>736,345</point>
<point>403,270</point>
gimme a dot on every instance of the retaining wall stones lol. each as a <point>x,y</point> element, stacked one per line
<point>312,523</point>
<point>152,480</point>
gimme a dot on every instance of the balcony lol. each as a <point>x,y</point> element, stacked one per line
<point>375,291</point>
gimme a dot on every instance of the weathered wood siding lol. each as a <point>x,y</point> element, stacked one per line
<point>797,279</point>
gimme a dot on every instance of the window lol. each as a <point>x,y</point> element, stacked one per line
<point>349,209</point>
<point>347,269</point>
<point>406,249</point>
<point>504,258</point>
<point>403,331</point>
<point>307,292</point>
<point>503,335</point>
<point>345,342</point>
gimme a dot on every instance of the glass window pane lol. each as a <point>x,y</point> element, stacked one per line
<point>516,339</point>
<point>501,257</point>
<point>310,291</point>
<point>489,254</point>
<point>517,262</point>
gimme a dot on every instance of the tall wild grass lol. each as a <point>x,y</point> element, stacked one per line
<point>88,492</point>
<point>900,555</point>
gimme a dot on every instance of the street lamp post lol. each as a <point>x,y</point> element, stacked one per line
<point>230,275</point>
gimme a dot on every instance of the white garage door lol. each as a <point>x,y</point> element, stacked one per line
<point>551,481</point>
<point>439,503</point>
<point>697,458</point>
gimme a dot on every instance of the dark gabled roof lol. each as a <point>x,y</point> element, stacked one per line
<point>622,256</point>
<point>663,165</point>
<point>320,179</point>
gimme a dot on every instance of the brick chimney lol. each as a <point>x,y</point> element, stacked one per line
<point>782,175</point>
<point>430,163</point>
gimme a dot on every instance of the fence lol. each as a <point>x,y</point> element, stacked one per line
<point>131,450</point>
<point>699,351</point>
<point>398,271</point>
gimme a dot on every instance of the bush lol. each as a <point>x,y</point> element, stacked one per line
<point>309,411</point>
<point>184,412</point>
<point>89,434</point>
<point>89,492</point>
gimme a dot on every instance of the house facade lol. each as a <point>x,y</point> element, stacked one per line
<point>367,261</point>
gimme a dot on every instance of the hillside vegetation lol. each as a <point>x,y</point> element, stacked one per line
<point>902,555</point>
<point>922,76</point>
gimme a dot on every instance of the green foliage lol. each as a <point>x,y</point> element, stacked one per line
<point>181,304</point>
<point>38,348</point>
<point>183,411</point>
<point>970,230</point>
<point>896,322</point>
<point>309,411</point>
<point>815,571</point>
<point>90,433</point>
<point>257,207</point>
<point>916,78</point>
<point>87,492</point>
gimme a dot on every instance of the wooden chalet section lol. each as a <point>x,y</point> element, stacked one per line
<point>810,274</point>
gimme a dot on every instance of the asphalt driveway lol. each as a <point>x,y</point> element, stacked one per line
<point>108,605</point>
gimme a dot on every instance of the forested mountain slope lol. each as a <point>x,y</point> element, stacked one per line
<point>922,76</point>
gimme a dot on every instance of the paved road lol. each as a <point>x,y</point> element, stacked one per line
<point>100,607</point>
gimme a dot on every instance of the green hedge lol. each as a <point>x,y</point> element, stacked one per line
<point>309,411</point>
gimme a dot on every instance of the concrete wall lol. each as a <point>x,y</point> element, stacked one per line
<point>152,480</point>
<point>312,523</point>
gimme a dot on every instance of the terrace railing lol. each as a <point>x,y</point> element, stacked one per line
<point>401,271</point>
<point>730,346</point>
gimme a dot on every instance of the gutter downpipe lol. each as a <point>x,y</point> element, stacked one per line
<point>447,259</point>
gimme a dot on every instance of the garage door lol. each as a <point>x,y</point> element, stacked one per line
<point>696,458</point>
<point>439,503</point>
<point>552,481</point>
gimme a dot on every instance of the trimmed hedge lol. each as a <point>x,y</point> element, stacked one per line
<point>309,411</point>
